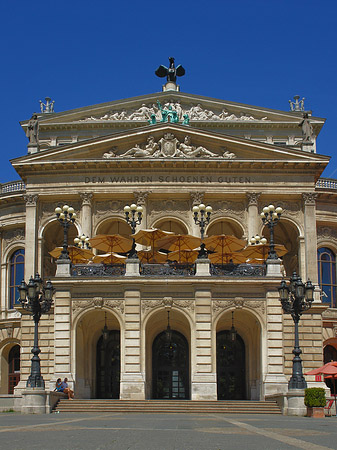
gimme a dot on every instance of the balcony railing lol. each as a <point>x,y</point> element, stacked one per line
<point>241,270</point>
<point>98,270</point>
<point>326,183</point>
<point>163,270</point>
<point>12,186</point>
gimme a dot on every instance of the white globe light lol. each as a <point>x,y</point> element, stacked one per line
<point>209,209</point>
<point>195,209</point>
<point>65,208</point>
<point>266,210</point>
<point>127,208</point>
<point>139,209</point>
<point>71,210</point>
<point>58,210</point>
<point>279,210</point>
<point>202,207</point>
<point>133,207</point>
<point>271,208</point>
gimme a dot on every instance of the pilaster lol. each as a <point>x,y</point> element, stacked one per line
<point>62,327</point>
<point>86,213</point>
<point>30,235</point>
<point>196,199</point>
<point>203,370</point>
<point>253,214</point>
<point>132,385</point>
<point>141,200</point>
<point>310,235</point>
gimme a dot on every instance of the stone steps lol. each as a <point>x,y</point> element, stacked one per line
<point>168,406</point>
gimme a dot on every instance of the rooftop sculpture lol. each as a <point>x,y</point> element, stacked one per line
<point>171,73</point>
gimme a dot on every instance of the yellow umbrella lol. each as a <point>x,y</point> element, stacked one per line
<point>77,255</point>
<point>224,243</point>
<point>151,256</point>
<point>109,258</point>
<point>227,258</point>
<point>260,251</point>
<point>183,256</point>
<point>150,236</point>
<point>111,243</point>
<point>178,242</point>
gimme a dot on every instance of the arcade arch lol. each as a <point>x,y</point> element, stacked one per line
<point>173,225</point>
<point>96,374</point>
<point>238,363</point>
<point>165,380</point>
<point>114,226</point>
<point>225,226</point>
<point>10,367</point>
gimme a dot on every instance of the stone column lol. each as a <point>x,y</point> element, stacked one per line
<point>132,385</point>
<point>30,235</point>
<point>86,213</point>
<point>203,370</point>
<point>62,339</point>
<point>141,200</point>
<point>254,221</point>
<point>301,256</point>
<point>274,379</point>
<point>310,237</point>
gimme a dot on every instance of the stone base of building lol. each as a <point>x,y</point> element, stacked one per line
<point>34,401</point>
<point>295,403</point>
<point>132,387</point>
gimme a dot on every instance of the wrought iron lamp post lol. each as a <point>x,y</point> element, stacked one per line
<point>82,242</point>
<point>270,217</point>
<point>66,216</point>
<point>36,298</point>
<point>133,216</point>
<point>295,299</point>
<point>202,216</point>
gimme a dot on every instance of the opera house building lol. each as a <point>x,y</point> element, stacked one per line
<point>166,224</point>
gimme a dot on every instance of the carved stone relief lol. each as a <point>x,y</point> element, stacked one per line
<point>290,208</point>
<point>197,198</point>
<point>309,198</point>
<point>238,303</point>
<point>11,236</point>
<point>97,303</point>
<point>86,198</point>
<point>327,233</point>
<point>103,209</point>
<point>194,112</point>
<point>167,302</point>
<point>228,208</point>
<point>30,199</point>
<point>141,197</point>
<point>253,198</point>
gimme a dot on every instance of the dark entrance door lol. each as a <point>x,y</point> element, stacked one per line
<point>230,361</point>
<point>170,367</point>
<point>13,368</point>
<point>108,366</point>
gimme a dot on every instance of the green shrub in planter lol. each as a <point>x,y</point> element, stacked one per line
<point>314,397</point>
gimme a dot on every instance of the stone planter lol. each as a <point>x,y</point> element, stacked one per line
<point>315,411</point>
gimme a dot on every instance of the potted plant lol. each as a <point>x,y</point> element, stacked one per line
<point>314,400</point>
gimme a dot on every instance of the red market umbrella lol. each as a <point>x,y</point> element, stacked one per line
<point>329,370</point>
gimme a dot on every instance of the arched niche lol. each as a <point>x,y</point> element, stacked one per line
<point>154,326</point>
<point>114,226</point>
<point>52,237</point>
<point>173,225</point>
<point>248,328</point>
<point>88,333</point>
<point>225,226</point>
<point>287,234</point>
<point>9,367</point>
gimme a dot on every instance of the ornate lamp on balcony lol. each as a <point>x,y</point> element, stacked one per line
<point>270,217</point>
<point>66,217</point>
<point>133,216</point>
<point>202,216</point>
<point>295,299</point>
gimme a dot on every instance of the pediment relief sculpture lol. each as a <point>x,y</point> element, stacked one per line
<point>169,147</point>
<point>149,112</point>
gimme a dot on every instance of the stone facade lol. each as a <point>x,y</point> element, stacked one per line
<point>107,163</point>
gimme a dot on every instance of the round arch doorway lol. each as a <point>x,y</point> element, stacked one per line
<point>170,366</point>
<point>108,365</point>
<point>230,361</point>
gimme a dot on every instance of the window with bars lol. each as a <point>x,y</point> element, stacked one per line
<point>327,275</point>
<point>16,275</point>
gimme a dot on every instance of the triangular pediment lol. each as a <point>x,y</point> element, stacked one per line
<point>137,111</point>
<point>167,142</point>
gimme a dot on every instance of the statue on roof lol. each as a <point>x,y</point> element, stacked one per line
<point>297,105</point>
<point>307,130</point>
<point>47,107</point>
<point>32,131</point>
<point>170,72</point>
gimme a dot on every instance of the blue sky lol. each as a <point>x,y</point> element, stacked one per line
<point>79,53</point>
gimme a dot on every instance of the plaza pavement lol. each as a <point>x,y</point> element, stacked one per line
<point>65,431</point>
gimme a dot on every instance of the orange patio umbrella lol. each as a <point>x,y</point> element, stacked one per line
<point>226,258</point>
<point>178,242</point>
<point>111,243</point>
<point>109,258</point>
<point>224,243</point>
<point>260,251</point>
<point>151,256</point>
<point>77,255</point>
<point>183,256</point>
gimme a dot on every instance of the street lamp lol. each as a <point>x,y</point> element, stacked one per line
<point>295,299</point>
<point>202,216</point>
<point>66,216</point>
<point>256,240</point>
<point>270,216</point>
<point>37,299</point>
<point>133,220</point>
<point>82,242</point>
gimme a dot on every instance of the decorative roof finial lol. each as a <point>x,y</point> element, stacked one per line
<point>171,73</point>
<point>297,105</point>
<point>47,107</point>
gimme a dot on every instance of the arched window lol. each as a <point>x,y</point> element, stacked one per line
<point>16,275</point>
<point>327,275</point>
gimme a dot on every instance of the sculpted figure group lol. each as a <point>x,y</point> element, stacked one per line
<point>170,146</point>
<point>152,113</point>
